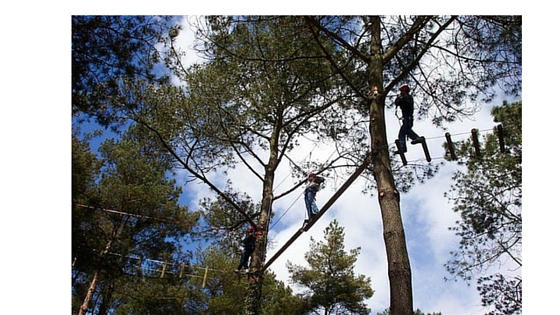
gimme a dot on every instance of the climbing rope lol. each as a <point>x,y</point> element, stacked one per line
<point>286,211</point>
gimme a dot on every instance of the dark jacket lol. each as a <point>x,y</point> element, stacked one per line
<point>406,104</point>
<point>249,241</point>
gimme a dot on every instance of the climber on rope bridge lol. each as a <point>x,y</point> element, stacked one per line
<point>313,185</point>
<point>248,248</point>
<point>406,103</point>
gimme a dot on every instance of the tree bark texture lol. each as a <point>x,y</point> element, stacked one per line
<point>256,274</point>
<point>400,276</point>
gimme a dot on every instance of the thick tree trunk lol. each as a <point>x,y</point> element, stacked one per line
<point>255,278</point>
<point>400,277</point>
<point>254,291</point>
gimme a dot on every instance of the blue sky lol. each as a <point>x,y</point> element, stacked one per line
<point>36,130</point>
<point>426,218</point>
<point>427,215</point>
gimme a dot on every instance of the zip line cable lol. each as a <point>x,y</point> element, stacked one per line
<point>286,211</point>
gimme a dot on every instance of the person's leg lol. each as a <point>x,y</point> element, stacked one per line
<point>314,205</point>
<point>245,260</point>
<point>309,196</point>
<point>402,136</point>
<point>409,121</point>
<point>241,261</point>
<point>248,255</point>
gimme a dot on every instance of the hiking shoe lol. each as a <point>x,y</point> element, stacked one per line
<point>418,140</point>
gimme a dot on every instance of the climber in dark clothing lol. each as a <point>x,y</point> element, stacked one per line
<point>248,248</point>
<point>406,103</point>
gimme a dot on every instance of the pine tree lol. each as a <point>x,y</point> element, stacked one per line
<point>122,212</point>
<point>106,48</point>
<point>330,282</point>
<point>262,69</point>
<point>488,197</point>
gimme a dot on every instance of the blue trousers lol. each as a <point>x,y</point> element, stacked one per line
<point>244,261</point>
<point>406,130</point>
<point>310,202</point>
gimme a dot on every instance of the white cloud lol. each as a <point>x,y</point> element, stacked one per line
<point>426,213</point>
<point>185,40</point>
<point>427,216</point>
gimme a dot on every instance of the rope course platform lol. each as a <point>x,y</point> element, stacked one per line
<point>451,147</point>
<point>151,268</point>
<point>161,268</point>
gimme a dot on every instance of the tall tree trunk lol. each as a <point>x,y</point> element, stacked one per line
<point>95,280</point>
<point>254,292</point>
<point>400,277</point>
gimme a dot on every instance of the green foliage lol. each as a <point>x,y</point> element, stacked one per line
<point>268,80</point>
<point>330,280</point>
<point>488,196</point>
<point>226,225</point>
<point>224,291</point>
<point>497,39</point>
<point>278,298</point>
<point>502,292</point>
<point>85,169</point>
<point>122,212</point>
<point>108,48</point>
<point>153,295</point>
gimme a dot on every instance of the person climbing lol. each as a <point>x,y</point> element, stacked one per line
<point>406,103</point>
<point>313,185</point>
<point>248,248</point>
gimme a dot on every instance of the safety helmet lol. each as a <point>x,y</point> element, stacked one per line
<point>312,175</point>
<point>405,88</point>
<point>251,228</point>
